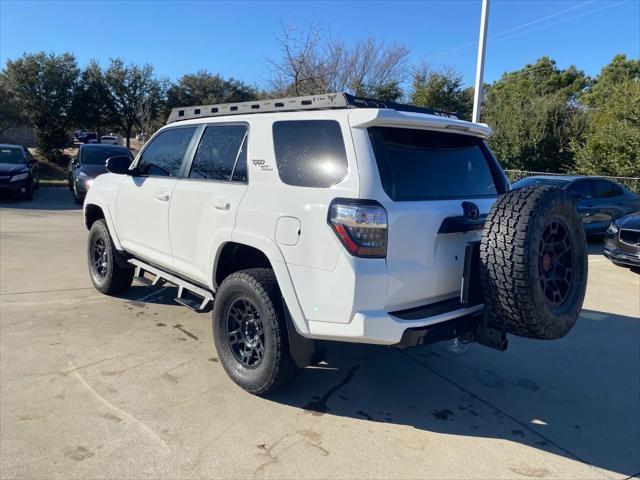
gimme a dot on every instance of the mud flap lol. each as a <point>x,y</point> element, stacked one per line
<point>303,350</point>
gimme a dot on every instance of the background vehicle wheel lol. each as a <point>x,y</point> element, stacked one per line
<point>28,194</point>
<point>76,197</point>
<point>534,263</point>
<point>106,270</point>
<point>249,331</point>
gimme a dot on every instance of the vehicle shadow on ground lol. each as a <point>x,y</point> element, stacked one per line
<point>576,397</point>
<point>45,198</point>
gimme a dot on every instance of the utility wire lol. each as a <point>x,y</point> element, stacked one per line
<point>509,30</point>
<point>559,21</point>
<point>492,38</point>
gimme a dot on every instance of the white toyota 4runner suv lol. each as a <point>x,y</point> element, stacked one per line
<point>333,217</point>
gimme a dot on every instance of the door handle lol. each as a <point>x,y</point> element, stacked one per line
<point>221,204</point>
<point>163,196</point>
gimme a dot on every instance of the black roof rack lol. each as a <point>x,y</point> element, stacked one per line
<point>292,104</point>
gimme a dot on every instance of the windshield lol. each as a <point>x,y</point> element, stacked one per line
<point>427,165</point>
<point>529,181</point>
<point>11,155</point>
<point>98,156</point>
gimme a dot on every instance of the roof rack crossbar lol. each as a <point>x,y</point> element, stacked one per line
<point>291,104</point>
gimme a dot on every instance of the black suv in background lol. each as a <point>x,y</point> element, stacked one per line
<point>18,171</point>
<point>88,164</point>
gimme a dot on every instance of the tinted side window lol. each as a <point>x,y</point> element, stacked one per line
<point>606,189</point>
<point>310,153</point>
<point>163,156</point>
<point>580,189</point>
<point>218,151</point>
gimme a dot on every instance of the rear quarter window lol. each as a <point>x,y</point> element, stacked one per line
<point>428,165</point>
<point>310,153</point>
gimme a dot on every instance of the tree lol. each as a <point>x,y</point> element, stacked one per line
<point>204,88</point>
<point>93,105</point>
<point>612,142</point>
<point>43,85</point>
<point>536,117</point>
<point>441,89</point>
<point>135,92</point>
<point>11,114</point>
<point>311,64</point>
<point>619,71</point>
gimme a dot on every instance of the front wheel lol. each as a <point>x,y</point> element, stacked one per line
<point>28,192</point>
<point>250,332</point>
<point>77,198</point>
<point>106,270</point>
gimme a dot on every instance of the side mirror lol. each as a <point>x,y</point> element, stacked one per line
<point>119,164</point>
<point>576,196</point>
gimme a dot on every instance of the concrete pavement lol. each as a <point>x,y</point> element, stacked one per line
<point>99,387</point>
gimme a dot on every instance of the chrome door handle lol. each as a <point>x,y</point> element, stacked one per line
<point>221,205</point>
<point>163,196</point>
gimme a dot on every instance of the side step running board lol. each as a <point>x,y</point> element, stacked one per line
<point>162,277</point>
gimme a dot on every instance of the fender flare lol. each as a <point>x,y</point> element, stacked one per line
<point>107,217</point>
<point>275,257</point>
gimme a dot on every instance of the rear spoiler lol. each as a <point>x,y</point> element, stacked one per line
<point>362,118</point>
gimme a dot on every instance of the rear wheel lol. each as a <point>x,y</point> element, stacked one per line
<point>107,272</point>
<point>249,331</point>
<point>534,263</point>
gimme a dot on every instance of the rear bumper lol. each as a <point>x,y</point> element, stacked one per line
<point>384,328</point>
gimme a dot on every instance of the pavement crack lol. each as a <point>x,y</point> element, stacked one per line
<point>47,291</point>
<point>66,372</point>
<point>319,406</point>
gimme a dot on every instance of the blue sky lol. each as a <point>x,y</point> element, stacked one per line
<point>236,38</point>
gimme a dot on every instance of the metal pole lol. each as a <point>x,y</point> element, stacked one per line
<point>482,43</point>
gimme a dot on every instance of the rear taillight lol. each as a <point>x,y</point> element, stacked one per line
<point>361,226</point>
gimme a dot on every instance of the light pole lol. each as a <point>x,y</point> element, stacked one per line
<point>482,43</point>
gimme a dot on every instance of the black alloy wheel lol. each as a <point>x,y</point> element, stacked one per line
<point>556,262</point>
<point>245,332</point>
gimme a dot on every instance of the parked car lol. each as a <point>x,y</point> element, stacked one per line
<point>109,140</point>
<point>19,171</point>
<point>88,164</point>
<point>89,137</point>
<point>599,201</point>
<point>622,242</point>
<point>333,217</point>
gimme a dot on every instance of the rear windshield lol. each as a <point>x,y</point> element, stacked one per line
<point>427,165</point>
<point>99,155</point>
<point>11,155</point>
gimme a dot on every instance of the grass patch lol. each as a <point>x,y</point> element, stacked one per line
<point>53,173</point>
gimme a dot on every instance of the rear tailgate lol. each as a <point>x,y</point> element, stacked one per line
<point>427,175</point>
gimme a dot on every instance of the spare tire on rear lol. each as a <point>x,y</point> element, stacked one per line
<point>534,263</point>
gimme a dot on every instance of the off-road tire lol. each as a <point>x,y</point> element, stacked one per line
<point>116,277</point>
<point>512,265</point>
<point>276,367</point>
